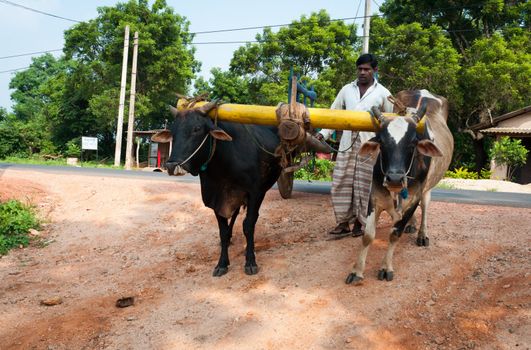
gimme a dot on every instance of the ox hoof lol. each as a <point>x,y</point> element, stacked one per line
<point>383,274</point>
<point>220,271</point>
<point>251,269</point>
<point>423,241</point>
<point>352,278</point>
<point>410,229</point>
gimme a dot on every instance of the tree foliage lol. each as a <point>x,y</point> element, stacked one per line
<point>78,94</point>
<point>225,86</point>
<point>413,57</point>
<point>465,20</point>
<point>509,152</point>
<point>313,45</point>
<point>496,75</point>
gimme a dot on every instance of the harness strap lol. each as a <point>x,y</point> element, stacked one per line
<point>255,141</point>
<point>194,152</point>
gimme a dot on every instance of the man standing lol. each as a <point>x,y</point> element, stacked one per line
<point>352,177</point>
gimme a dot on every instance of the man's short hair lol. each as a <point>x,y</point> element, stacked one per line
<point>367,58</point>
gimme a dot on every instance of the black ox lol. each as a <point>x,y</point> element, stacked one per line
<point>235,164</point>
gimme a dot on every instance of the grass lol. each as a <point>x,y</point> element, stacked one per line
<point>16,219</point>
<point>446,186</point>
<point>59,162</point>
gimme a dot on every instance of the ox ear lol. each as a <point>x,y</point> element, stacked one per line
<point>370,148</point>
<point>428,148</point>
<point>219,134</point>
<point>162,136</point>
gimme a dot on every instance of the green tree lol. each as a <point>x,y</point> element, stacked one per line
<point>28,95</point>
<point>166,65</point>
<point>30,121</point>
<point>465,20</point>
<point>314,45</point>
<point>224,85</point>
<point>3,114</point>
<point>78,94</point>
<point>509,152</point>
<point>413,57</point>
<point>496,75</point>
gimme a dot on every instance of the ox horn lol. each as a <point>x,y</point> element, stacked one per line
<point>420,117</point>
<point>420,112</point>
<point>173,111</point>
<point>378,114</point>
<point>206,108</point>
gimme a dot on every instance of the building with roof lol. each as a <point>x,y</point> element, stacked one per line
<point>517,125</point>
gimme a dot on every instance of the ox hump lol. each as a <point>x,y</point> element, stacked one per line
<point>427,94</point>
<point>397,129</point>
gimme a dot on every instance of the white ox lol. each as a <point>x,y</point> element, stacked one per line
<point>409,165</point>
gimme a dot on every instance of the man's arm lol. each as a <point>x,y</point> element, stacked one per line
<point>387,105</point>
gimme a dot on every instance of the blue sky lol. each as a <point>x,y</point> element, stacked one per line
<point>23,31</point>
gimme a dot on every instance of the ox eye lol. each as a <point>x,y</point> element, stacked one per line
<point>197,129</point>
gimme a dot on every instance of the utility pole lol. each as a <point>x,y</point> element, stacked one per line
<point>131,122</point>
<point>366,26</point>
<point>120,124</point>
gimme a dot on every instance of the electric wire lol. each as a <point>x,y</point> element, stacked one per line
<point>29,53</point>
<point>37,11</point>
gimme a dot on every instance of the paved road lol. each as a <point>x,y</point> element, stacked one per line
<point>521,200</point>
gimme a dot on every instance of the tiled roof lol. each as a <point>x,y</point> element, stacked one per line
<point>496,120</point>
<point>512,131</point>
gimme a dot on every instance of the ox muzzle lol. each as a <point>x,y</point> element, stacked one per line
<point>395,182</point>
<point>175,169</point>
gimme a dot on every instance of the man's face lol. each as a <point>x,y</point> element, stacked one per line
<point>365,73</point>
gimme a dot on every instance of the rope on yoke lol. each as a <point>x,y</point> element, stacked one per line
<point>400,106</point>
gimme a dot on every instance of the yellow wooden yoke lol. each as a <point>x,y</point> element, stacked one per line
<point>320,117</point>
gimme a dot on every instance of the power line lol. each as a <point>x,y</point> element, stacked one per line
<point>29,53</point>
<point>13,70</point>
<point>331,20</point>
<point>214,43</point>
<point>358,9</point>
<point>37,11</point>
<point>226,42</point>
<point>273,25</point>
<point>7,2</point>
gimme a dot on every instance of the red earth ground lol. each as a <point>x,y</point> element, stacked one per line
<point>105,238</point>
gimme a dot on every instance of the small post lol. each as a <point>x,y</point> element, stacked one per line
<point>138,140</point>
<point>131,122</point>
<point>120,123</point>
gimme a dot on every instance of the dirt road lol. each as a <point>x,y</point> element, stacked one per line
<point>107,238</point>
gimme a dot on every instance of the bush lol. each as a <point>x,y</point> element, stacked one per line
<point>485,174</point>
<point>464,173</point>
<point>509,152</point>
<point>318,169</point>
<point>461,173</point>
<point>16,219</point>
<point>72,148</point>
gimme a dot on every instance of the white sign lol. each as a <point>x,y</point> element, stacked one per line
<point>89,143</point>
